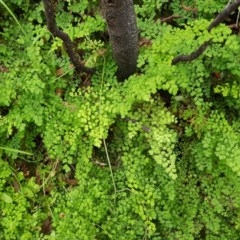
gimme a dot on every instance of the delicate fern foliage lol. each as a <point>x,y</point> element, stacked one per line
<point>154,157</point>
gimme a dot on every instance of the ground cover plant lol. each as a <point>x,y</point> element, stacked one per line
<point>152,156</point>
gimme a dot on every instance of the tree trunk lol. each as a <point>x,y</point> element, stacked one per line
<point>123,32</point>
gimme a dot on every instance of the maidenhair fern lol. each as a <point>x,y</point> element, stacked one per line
<point>153,157</point>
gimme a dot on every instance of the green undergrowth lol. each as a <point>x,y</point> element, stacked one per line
<point>86,157</point>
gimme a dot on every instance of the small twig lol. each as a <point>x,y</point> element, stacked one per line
<point>189,9</point>
<point>56,32</point>
<point>220,17</point>
<point>110,167</point>
<point>167,19</point>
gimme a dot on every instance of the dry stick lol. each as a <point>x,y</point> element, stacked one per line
<point>167,19</point>
<point>220,17</point>
<point>56,32</point>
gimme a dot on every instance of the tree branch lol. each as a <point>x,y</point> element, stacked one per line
<point>220,17</point>
<point>56,32</point>
<point>193,55</point>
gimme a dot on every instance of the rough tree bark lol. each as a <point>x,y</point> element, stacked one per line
<point>123,32</point>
